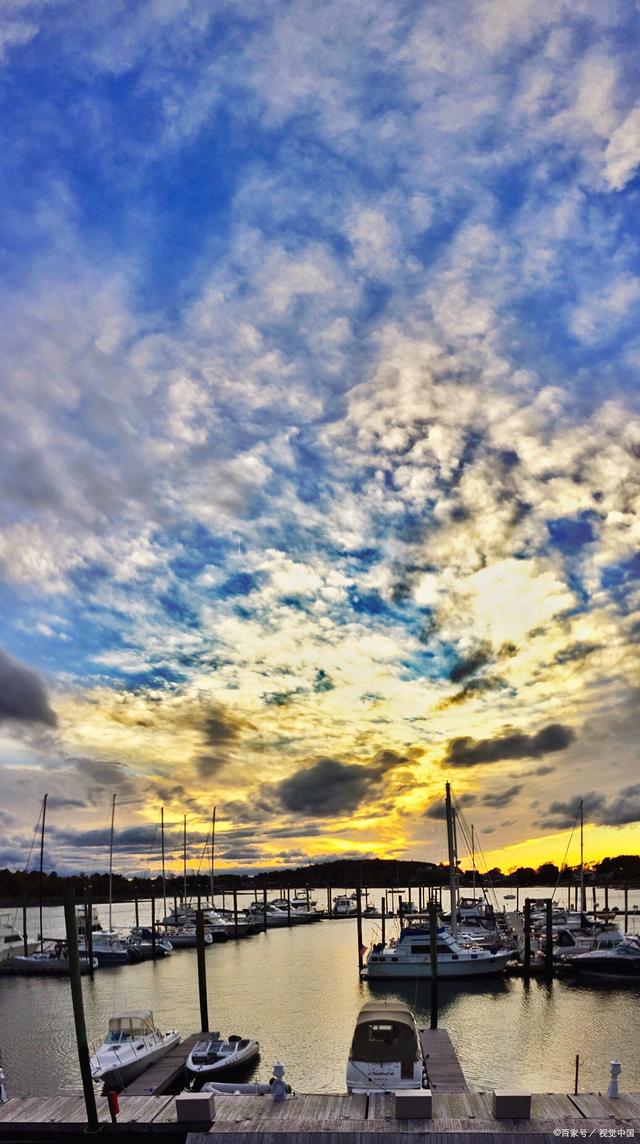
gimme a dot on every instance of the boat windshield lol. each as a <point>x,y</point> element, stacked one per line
<point>128,1026</point>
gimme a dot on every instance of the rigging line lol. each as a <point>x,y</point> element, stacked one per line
<point>465,834</point>
<point>26,869</point>
<point>564,860</point>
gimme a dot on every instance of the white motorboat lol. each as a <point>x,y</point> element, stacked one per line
<point>299,912</point>
<point>409,955</point>
<point>107,946</point>
<point>132,1044</point>
<point>186,916</point>
<point>568,943</point>
<point>10,939</point>
<point>385,1052</point>
<point>619,966</point>
<point>181,937</point>
<point>213,1055</point>
<point>344,906</point>
<point>141,948</point>
<point>275,917</point>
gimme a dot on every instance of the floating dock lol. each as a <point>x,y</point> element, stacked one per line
<point>444,1071</point>
<point>156,1080</point>
<point>320,1118</point>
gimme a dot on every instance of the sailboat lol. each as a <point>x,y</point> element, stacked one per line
<point>107,945</point>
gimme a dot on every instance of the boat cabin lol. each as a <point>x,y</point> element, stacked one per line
<point>385,1048</point>
<point>134,1023</point>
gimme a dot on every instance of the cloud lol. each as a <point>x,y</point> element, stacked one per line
<point>498,799</point>
<point>330,787</point>
<point>467,752</point>
<point>221,732</point>
<point>618,811</point>
<point>437,809</point>
<point>23,694</point>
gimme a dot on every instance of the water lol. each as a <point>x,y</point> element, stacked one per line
<point>297,991</point>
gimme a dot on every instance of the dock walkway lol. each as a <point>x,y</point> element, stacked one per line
<point>156,1080</point>
<point>320,1118</point>
<point>443,1068</point>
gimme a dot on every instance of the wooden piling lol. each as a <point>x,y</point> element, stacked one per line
<point>88,931</point>
<point>548,949</point>
<point>135,903</point>
<point>202,972</point>
<point>433,953</point>
<point>383,914</point>
<point>264,905</point>
<point>25,939</point>
<point>289,905</point>
<point>153,925</point>
<point>626,908</point>
<point>78,1009</point>
<point>359,927</point>
<point>235,912</point>
<point>527,937</point>
<point>606,898</point>
<point>329,913</point>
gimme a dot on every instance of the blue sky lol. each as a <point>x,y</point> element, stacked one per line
<point>320,419</point>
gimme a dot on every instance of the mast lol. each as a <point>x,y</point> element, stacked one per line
<point>213,843</point>
<point>184,860</point>
<point>164,880</point>
<point>452,861</point>
<point>44,815</point>
<point>583,897</point>
<point>473,858</point>
<point>113,815</point>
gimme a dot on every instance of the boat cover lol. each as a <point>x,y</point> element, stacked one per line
<point>386,1032</point>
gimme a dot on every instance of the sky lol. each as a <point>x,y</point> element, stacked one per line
<point>320,464</point>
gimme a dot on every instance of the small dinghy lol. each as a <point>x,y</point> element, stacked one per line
<point>132,1044</point>
<point>385,1052</point>
<point>213,1055</point>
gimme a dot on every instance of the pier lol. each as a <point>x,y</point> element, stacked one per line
<point>320,1117</point>
<point>444,1072</point>
<point>156,1080</point>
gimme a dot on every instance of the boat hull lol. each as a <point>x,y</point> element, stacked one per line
<point>122,1074</point>
<point>231,1064</point>
<point>451,970</point>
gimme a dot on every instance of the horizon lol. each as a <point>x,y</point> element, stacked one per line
<point>321,428</point>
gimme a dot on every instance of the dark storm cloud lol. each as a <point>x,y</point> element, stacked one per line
<point>437,811</point>
<point>622,809</point>
<point>469,664</point>
<point>23,695</point>
<point>467,752</point>
<point>498,799</point>
<point>576,652</point>
<point>330,787</point>
<point>221,732</point>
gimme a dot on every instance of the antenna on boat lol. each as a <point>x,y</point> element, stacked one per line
<point>113,815</point>
<point>451,840</point>
<point>44,815</point>
<point>164,880</point>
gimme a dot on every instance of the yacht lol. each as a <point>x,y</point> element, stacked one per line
<point>179,937</point>
<point>274,916</point>
<point>132,1044</point>
<point>568,943</point>
<point>619,966</point>
<point>10,939</point>
<point>186,916</point>
<point>213,1055</point>
<point>107,947</point>
<point>385,1052</point>
<point>409,955</point>
<point>299,911</point>
<point>344,906</point>
<point>143,948</point>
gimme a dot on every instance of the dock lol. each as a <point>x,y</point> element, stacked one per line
<point>319,1118</point>
<point>156,1080</point>
<point>444,1071</point>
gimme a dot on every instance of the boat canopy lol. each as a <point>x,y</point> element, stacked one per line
<point>132,1023</point>
<point>385,1032</point>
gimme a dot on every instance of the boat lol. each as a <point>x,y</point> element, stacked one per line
<point>371,912</point>
<point>344,906</point>
<point>619,966</point>
<point>10,938</point>
<point>568,943</point>
<point>180,937</point>
<point>385,1053</point>
<point>409,955</point>
<point>132,1044</point>
<point>107,947</point>
<point>185,916</point>
<point>213,1055</point>
<point>142,948</point>
<point>298,910</point>
<point>274,917</point>
<point>50,961</point>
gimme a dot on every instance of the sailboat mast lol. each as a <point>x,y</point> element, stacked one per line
<point>184,860</point>
<point>44,815</point>
<point>164,879</point>
<point>452,862</point>
<point>583,897</point>
<point>473,858</point>
<point>213,843</point>
<point>113,815</point>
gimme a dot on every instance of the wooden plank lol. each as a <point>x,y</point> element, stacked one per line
<point>443,1068</point>
<point>593,1106</point>
<point>155,1080</point>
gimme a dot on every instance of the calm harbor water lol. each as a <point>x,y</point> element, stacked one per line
<point>297,991</point>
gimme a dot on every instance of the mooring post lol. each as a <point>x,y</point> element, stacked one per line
<point>548,949</point>
<point>575,1084</point>
<point>383,915</point>
<point>606,899</point>
<point>329,901</point>
<point>359,928</point>
<point>626,908</point>
<point>153,925</point>
<point>307,893</point>
<point>517,897</point>
<point>568,897</point>
<point>202,972</point>
<point>433,952</point>
<point>527,937</point>
<point>235,911</point>
<point>289,905</point>
<point>75,979</point>
<point>24,930</point>
<point>264,907</point>
<point>400,909</point>
<point>135,902</point>
<point>88,931</point>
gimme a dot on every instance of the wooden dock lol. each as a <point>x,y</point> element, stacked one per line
<point>443,1068</point>
<point>156,1080</point>
<point>320,1118</point>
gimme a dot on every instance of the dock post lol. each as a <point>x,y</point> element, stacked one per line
<point>264,905</point>
<point>212,903</point>
<point>548,949</point>
<point>606,899</point>
<point>400,909</point>
<point>24,929</point>
<point>235,911</point>
<point>289,905</point>
<point>527,937</point>
<point>575,1087</point>
<point>359,927</point>
<point>383,916</point>
<point>626,908</point>
<point>202,972</point>
<point>135,902</point>
<point>568,897</point>
<point>329,901</point>
<point>88,931</point>
<point>307,893</point>
<point>518,897</point>
<point>433,953</point>
<point>78,1009</point>
<point>153,925</point>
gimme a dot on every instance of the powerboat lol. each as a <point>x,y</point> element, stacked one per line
<point>298,910</point>
<point>144,948</point>
<point>275,917</point>
<point>619,966</point>
<point>344,906</point>
<point>132,1044</point>
<point>409,955</point>
<point>568,943</point>
<point>385,1052</point>
<point>186,916</point>
<point>213,1055</point>
<point>107,946</point>
<point>10,938</point>
<point>181,937</point>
